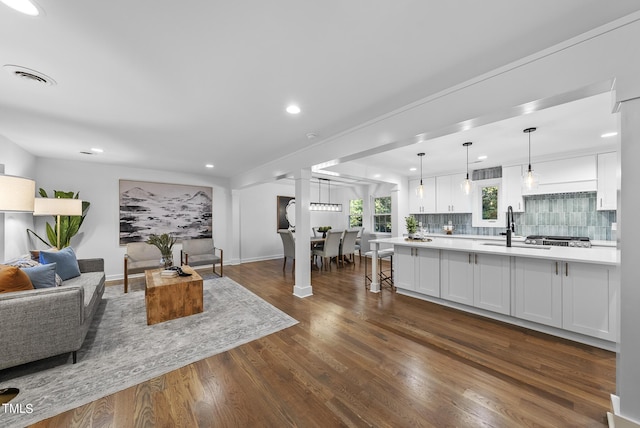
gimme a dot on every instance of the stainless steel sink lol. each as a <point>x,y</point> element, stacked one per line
<point>517,245</point>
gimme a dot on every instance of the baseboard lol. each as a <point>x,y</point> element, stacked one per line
<point>615,419</point>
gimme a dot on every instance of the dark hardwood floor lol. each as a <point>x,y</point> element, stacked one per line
<point>361,359</point>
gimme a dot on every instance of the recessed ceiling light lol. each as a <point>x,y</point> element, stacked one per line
<point>609,134</point>
<point>27,74</point>
<point>413,169</point>
<point>209,165</point>
<point>376,176</point>
<point>97,150</point>
<point>23,6</point>
<point>293,109</point>
<point>483,157</point>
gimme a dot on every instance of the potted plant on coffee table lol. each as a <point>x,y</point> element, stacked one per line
<point>164,243</point>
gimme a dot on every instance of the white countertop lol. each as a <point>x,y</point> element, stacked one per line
<point>607,255</point>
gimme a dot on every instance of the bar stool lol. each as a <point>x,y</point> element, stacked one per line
<point>384,276</point>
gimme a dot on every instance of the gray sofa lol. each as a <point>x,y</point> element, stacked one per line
<point>44,322</point>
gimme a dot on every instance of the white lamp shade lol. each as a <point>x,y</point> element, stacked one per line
<point>16,194</point>
<point>57,206</point>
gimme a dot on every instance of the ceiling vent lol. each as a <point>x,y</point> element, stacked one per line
<point>29,74</point>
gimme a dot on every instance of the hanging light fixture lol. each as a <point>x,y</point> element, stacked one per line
<point>530,179</point>
<point>319,206</point>
<point>420,188</point>
<point>466,183</point>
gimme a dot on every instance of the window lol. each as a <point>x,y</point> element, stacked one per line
<point>355,213</point>
<point>488,205</point>
<point>382,214</point>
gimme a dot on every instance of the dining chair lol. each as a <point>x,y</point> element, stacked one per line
<point>349,244</point>
<point>289,246</point>
<point>201,251</point>
<point>330,249</point>
<point>140,256</point>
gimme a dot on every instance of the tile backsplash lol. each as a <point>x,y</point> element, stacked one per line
<point>571,214</point>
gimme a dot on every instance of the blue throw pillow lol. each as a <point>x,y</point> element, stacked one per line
<point>66,259</point>
<point>42,276</point>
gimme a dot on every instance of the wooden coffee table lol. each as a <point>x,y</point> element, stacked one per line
<point>171,298</point>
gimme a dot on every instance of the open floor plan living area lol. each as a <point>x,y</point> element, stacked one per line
<point>339,213</point>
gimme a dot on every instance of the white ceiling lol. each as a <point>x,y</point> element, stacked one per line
<point>175,85</point>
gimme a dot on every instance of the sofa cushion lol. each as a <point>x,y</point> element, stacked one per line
<point>67,263</point>
<point>27,262</point>
<point>42,276</point>
<point>13,279</point>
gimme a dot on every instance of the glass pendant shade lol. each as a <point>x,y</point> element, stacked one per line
<point>420,188</point>
<point>420,191</point>
<point>465,185</point>
<point>530,179</point>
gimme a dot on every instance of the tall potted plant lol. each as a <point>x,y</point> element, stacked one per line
<point>69,225</point>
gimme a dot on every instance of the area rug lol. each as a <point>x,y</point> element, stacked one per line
<point>121,350</point>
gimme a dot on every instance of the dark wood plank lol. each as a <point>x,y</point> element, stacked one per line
<point>360,359</point>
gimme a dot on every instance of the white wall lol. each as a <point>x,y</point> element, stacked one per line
<point>13,227</point>
<point>99,184</point>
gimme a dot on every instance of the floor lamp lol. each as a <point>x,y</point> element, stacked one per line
<point>16,195</point>
<point>57,207</point>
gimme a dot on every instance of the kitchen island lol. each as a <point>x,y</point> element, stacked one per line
<point>564,291</point>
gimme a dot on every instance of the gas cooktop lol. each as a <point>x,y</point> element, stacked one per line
<point>559,241</point>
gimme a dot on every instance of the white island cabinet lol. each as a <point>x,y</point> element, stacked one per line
<point>590,299</point>
<point>418,269</point>
<point>538,291</point>
<point>568,292</point>
<point>479,280</point>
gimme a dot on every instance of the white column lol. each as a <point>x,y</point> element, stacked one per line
<point>375,279</point>
<point>628,363</point>
<point>302,287</point>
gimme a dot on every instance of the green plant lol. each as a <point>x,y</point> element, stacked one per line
<point>412,224</point>
<point>164,243</point>
<point>324,228</point>
<point>69,225</point>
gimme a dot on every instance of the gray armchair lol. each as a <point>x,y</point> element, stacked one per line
<point>201,251</point>
<point>140,256</point>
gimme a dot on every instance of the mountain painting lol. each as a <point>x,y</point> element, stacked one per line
<point>148,208</point>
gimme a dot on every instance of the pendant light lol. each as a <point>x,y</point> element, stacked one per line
<point>319,206</point>
<point>530,179</point>
<point>466,183</point>
<point>420,188</point>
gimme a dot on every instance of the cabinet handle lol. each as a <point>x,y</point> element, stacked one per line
<point>600,202</point>
<point>556,268</point>
<point>476,259</point>
<point>469,258</point>
<point>566,269</point>
<point>519,206</point>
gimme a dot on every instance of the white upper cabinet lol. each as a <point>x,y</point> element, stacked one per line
<point>449,196</point>
<point>607,185</point>
<point>426,204</point>
<point>577,174</point>
<point>512,187</point>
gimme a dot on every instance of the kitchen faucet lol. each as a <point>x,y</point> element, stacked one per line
<point>511,225</point>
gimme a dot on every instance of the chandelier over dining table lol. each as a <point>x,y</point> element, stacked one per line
<point>325,206</point>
